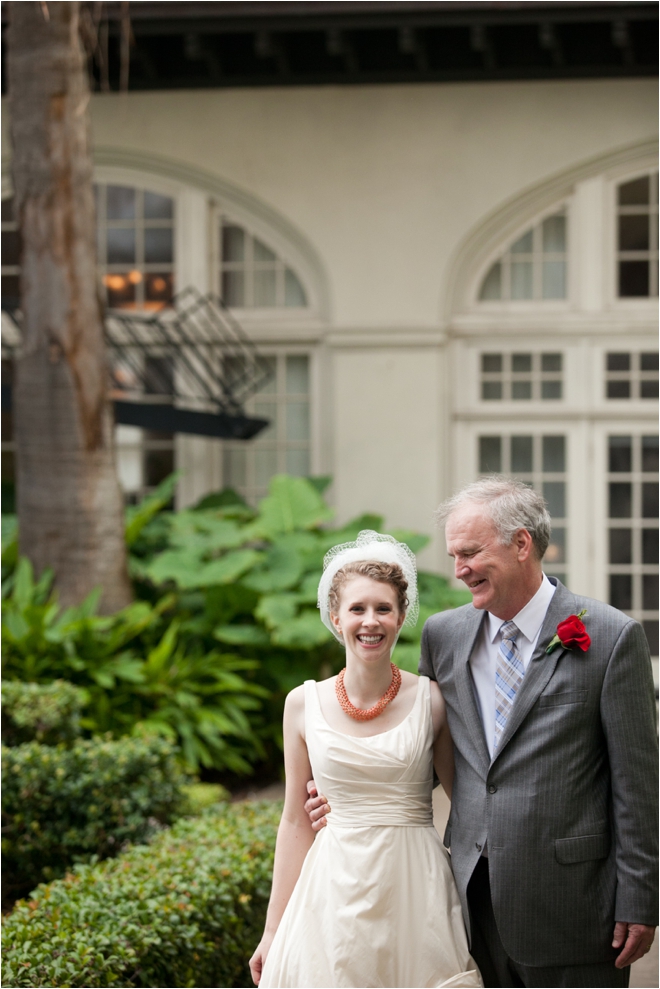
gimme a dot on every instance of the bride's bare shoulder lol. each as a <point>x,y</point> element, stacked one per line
<point>295,700</point>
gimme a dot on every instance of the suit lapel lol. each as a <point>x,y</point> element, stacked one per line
<point>541,665</point>
<point>465,687</point>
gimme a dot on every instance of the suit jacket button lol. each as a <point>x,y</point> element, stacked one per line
<point>492,788</point>
<point>478,847</point>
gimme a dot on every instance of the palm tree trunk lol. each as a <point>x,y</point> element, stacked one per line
<point>69,503</point>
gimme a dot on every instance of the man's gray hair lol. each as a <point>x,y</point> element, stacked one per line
<point>511,505</point>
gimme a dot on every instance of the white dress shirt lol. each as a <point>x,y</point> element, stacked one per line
<point>483,660</point>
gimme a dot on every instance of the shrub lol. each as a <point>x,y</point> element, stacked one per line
<point>62,804</point>
<point>187,910</point>
<point>47,713</point>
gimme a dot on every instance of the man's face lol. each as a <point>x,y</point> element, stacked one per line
<point>498,576</point>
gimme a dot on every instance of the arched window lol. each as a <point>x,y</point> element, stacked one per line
<point>533,267</point>
<point>637,237</point>
<point>135,246</point>
<point>253,275</point>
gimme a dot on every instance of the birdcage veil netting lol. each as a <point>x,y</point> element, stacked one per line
<point>369,545</point>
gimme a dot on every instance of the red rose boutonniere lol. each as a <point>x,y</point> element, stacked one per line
<point>570,633</point>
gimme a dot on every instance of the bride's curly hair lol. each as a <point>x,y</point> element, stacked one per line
<point>386,573</point>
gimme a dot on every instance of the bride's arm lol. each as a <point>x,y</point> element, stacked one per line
<point>295,835</point>
<point>443,749</point>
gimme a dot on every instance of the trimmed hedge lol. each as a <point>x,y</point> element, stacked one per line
<point>186,910</point>
<point>62,804</point>
<point>43,712</point>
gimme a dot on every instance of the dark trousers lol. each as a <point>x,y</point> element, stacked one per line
<point>497,969</point>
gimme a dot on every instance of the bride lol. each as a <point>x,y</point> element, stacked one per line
<point>370,900</point>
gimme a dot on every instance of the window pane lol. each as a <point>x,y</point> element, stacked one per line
<point>265,287</point>
<point>554,454</point>
<point>633,278</point>
<point>521,280</point>
<point>649,454</point>
<point>268,365</point>
<point>158,375</point>
<point>649,545</point>
<point>11,291</point>
<point>120,245</point>
<point>635,193</point>
<point>621,591</point>
<point>620,454</point>
<point>618,362</point>
<point>554,279</point>
<point>294,293</point>
<point>649,501</point>
<point>648,389</point>
<point>233,288</point>
<point>297,462</point>
<point>234,467</point>
<point>634,233</point>
<point>521,454</point>
<point>649,362</point>
<point>266,410</point>
<point>297,421</point>
<point>491,287</point>
<point>157,207</point>
<point>491,390</point>
<point>651,631</point>
<point>158,247</point>
<point>262,253</point>
<point>491,363</point>
<point>521,363</point>
<point>650,591</point>
<point>121,291</point>
<point>120,202</point>
<point>620,501</point>
<point>11,247</point>
<point>556,551</point>
<point>521,390</point>
<point>158,464</point>
<point>158,289</point>
<point>554,493</point>
<point>620,545</point>
<point>524,244</point>
<point>490,454</point>
<point>551,362</point>
<point>233,243</point>
<point>551,389</point>
<point>618,389</point>
<point>554,234</point>
<point>265,465</point>
<point>297,375</point>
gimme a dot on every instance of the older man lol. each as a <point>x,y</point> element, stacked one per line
<point>553,820</point>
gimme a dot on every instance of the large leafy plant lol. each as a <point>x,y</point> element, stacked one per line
<point>225,626</point>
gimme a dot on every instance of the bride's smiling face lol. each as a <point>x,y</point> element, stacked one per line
<point>369,617</point>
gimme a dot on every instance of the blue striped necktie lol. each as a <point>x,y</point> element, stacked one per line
<point>509,675</point>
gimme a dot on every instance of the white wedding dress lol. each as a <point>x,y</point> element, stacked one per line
<point>376,903</point>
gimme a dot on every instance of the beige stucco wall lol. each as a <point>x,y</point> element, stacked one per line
<point>385,181</point>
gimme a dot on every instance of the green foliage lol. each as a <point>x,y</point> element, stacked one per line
<point>62,804</point>
<point>227,623</point>
<point>47,713</point>
<point>199,797</point>
<point>187,910</point>
<point>141,670</point>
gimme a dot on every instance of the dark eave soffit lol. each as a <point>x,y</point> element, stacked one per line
<point>200,45</point>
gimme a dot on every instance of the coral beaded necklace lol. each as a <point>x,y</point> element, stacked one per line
<point>360,714</point>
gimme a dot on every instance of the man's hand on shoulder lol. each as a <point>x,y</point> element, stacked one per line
<point>316,807</point>
<point>635,941</point>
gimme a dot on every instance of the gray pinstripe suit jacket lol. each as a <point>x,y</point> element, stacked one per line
<point>569,802</point>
